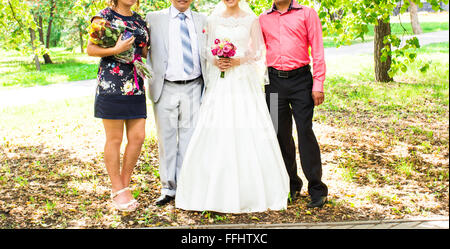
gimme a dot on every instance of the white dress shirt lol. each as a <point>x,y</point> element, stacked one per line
<point>175,66</point>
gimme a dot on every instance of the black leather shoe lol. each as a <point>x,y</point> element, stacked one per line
<point>317,202</point>
<point>163,200</point>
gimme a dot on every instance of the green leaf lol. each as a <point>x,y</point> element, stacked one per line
<point>404,68</point>
<point>425,68</point>
<point>322,15</point>
<point>108,33</point>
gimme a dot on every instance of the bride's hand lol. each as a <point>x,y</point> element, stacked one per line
<point>235,62</point>
<point>226,63</point>
<point>223,63</point>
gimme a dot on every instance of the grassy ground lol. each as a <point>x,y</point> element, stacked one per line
<point>385,149</point>
<point>20,71</point>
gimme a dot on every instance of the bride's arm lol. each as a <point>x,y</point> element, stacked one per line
<point>255,52</point>
<point>255,55</point>
<point>221,63</point>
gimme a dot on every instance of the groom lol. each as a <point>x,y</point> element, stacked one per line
<point>175,89</point>
<point>289,29</point>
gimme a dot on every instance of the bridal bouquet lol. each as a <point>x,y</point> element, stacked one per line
<point>223,49</point>
<point>105,34</point>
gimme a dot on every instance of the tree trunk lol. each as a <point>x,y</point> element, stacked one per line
<point>50,22</point>
<point>381,68</point>
<point>49,31</point>
<point>36,58</point>
<point>47,59</point>
<point>80,31</point>
<point>414,18</point>
<point>41,30</point>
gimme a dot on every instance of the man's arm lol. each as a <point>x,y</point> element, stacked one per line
<point>317,52</point>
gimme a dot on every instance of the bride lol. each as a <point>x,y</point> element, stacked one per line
<point>233,163</point>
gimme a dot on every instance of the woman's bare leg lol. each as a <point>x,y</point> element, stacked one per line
<point>136,136</point>
<point>114,135</point>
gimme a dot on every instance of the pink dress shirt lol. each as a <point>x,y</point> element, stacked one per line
<point>288,37</point>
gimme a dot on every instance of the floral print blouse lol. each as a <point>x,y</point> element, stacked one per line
<point>117,78</point>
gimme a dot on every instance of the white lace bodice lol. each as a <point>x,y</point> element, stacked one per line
<point>236,29</point>
<point>245,33</point>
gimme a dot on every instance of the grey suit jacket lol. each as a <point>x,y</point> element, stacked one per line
<point>158,23</point>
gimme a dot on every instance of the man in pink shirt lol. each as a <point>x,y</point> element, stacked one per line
<point>289,29</point>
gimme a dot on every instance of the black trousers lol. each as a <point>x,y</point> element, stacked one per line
<point>294,99</point>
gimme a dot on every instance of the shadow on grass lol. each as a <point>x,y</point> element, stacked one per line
<point>45,187</point>
<point>42,187</point>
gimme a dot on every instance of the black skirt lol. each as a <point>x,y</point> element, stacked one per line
<point>120,107</point>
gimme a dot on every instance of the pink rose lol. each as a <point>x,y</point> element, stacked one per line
<point>217,41</point>
<point>220,52</point>
<point>226,48</point>
<point>214,51</point>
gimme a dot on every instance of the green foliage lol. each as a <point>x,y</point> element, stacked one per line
<point>259,6</point>
<point>347,21</point>
<point>152,5</point>
<point>16,19</point>
<point>343,22</point>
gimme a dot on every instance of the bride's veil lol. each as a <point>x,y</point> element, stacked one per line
<point>256,52</point>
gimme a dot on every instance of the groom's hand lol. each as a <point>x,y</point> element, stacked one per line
<point>318,98</point>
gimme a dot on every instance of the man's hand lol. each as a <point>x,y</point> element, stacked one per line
<point>318,98</point>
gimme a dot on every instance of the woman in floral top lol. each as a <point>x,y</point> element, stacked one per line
<point>120,99</point>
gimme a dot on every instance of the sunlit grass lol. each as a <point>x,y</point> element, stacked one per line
<point>67,66</point>
<point>348,87</point>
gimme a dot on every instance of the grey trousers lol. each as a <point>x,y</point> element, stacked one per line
<point>176,116</point>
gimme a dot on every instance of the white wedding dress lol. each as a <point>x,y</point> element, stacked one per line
<point>233,163</point>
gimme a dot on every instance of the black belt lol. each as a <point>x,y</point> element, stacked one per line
<point>287,74</point>
<point>183,82</point>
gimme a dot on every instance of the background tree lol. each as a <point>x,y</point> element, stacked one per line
<point>390,53</point>
<point>79,19</point>
<point>19,29</point>
<point>413,12</point>
<point>64,23</point>
<point>44,10</point>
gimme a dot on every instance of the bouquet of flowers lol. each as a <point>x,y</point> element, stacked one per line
<point>223,49</point>
<point>105,34</point>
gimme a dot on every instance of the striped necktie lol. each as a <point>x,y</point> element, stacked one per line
<point>186,45</point>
